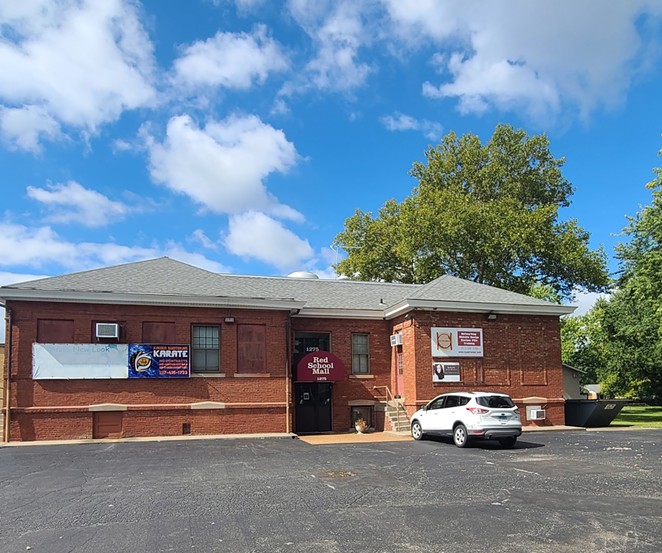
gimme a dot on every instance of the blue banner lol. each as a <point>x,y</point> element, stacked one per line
<point>159,361</point>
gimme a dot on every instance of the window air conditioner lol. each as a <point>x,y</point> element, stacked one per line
<point>396,340</point>
<point>108,330</point>
<point>537,415</point>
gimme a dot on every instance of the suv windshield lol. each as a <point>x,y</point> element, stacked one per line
<point>495,402</point>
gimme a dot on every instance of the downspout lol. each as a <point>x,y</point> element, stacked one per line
<point>8,356</point>
<point>288,326</point>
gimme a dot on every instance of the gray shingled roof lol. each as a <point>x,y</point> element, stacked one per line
<point>168,277</point>
<point>450,288</point>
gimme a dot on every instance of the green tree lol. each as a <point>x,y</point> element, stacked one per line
<point>633,316</point>
<point>487,213</point>
<point>584,344</point>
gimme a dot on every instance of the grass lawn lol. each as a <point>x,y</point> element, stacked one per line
<point>641,416</point>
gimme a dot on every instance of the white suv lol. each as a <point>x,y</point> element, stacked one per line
<point>469,415</point>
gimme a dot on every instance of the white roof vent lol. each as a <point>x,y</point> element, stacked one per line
<point>302,274</point>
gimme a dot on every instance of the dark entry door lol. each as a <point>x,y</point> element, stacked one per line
<point>313,407</point>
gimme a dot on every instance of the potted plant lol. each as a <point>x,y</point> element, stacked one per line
<point>360,425</point>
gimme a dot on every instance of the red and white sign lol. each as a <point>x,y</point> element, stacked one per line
<point>457,342</point>
<point>320,366</point>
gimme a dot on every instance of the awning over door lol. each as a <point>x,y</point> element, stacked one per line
<point>320,366</point>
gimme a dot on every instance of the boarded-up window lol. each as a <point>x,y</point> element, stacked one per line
<point>251,348</point>
<point>159,333</point>
<point>533,357</point>
<point>55,331</point>
<point>497,356</point>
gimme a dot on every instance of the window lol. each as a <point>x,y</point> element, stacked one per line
<point>159,333</point>
<point>452,401</point>
<point>495,402</point>
<point>51,331</point>
<point>307,342</point>
<point>437,403</point>
<point>362,412</point>
<point>251,348</point>
<point>360,354</point>
<point>205,344</point>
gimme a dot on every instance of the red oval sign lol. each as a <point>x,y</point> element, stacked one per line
<point>320,366</point>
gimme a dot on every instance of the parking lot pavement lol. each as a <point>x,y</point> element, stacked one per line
<point>554,492</point>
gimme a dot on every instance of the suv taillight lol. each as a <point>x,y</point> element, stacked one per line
<point>478,410</point>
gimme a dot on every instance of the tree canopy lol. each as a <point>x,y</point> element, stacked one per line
<point>619,341</point>
<point>633,315</point>
<point>487,213</point>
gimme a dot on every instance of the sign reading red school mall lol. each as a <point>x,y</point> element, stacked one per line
<point>320,366</point>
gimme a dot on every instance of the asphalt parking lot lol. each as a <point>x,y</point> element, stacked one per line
<point>554,492</point>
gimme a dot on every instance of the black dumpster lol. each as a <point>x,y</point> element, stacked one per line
<point>592,413</point>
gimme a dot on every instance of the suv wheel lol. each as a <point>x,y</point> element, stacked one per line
<point>417,431</point>
<point>508,442</point>
<point>460,437</point>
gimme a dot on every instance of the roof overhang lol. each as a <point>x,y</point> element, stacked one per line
<point>320,313</point>
<point>477,307</point>
<point>63,296</point>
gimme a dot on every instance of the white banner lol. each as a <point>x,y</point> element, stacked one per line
<point>446,372</point>
<point>457,342</point>
<point>79,361</point>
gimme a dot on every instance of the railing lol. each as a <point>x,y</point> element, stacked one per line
<point>388,398</point>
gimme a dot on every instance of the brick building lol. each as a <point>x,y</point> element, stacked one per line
<point>161,348</point>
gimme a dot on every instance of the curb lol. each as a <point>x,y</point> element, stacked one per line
<point>152,439</point>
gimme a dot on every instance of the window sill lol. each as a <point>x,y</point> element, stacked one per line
<point>252,375</point>
<point>208,375</point>
<point>362,376</point>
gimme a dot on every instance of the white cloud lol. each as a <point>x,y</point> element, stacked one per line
<point>249,5</point>
<point>229,60</point>
<point>338,32</point>
<point>176,251</point>
<point>15,278</point>
<point>401,122</point>
<point>584,301</point>
<point>258,236</point>
<point>200,237</point>
<point>536,55</point>
<point>73,203</point>
<point>75,62</point>
<point>42,246</point>
<point>224,165</point>
<point>24,128</point>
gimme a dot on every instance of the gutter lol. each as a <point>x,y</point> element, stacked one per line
<point>66,296</point>
<point>478,307</point>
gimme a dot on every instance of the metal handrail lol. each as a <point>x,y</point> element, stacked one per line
<point>389,398</point>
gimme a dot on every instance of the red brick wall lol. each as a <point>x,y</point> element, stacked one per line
<point>352,388</point>
<point>79,425</point>
<point>62,400</point>
<point>521,357</point>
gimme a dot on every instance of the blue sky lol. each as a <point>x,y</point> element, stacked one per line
<point>238,135</point>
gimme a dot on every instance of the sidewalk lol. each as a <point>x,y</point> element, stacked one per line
<point>313,439</point>
<point>354,438</point>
